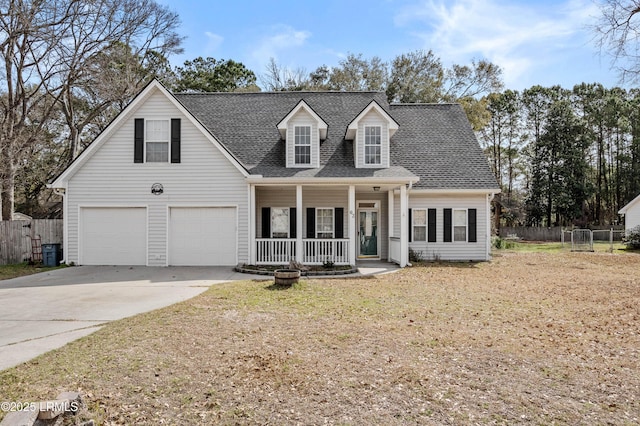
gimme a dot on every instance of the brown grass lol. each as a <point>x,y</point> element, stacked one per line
<point>526,339</point>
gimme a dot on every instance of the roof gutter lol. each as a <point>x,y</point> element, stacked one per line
<point>459,191</point>
<point>258,179</point>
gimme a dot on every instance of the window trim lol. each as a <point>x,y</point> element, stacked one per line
<point>147,140</point>
<point>413,224</point>
<point>453,225</point>
<point>288,209</point>
<point>296,144</point>
<point>333,223</point>
<point>378,144</point>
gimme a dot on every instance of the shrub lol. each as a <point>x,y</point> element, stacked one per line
<point>415,256</point>
<point>501,243</point>
<point>632,238</point>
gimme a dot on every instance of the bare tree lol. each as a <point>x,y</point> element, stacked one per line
<point>618,33</point>
<point>51,54</point>
<point>279,78</point>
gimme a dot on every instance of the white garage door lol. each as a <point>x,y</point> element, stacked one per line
<point>202,236</point>
<point>113,236</point>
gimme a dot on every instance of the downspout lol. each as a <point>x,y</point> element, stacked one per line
<point>62,192</point>
<point>490,198</point>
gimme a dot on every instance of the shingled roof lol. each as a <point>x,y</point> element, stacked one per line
<point>434,142</point>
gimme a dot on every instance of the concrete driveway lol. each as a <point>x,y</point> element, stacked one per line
<point>45,311</point>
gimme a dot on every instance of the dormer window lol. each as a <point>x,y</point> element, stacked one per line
<point>302,130</point>
<point>302,145</point>
<point>372,144</point>
<point>371,132</point>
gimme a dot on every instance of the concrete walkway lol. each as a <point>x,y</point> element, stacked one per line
<point>45,311</point>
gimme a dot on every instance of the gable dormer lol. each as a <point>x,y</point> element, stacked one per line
<point>302,129</point>
<point>370,132</point>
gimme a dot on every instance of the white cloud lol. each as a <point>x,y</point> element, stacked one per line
<point>517,37</point>
<point>213,42</point>
<point>280,38</point>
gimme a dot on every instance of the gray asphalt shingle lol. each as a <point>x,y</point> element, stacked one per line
<point>434,141</point>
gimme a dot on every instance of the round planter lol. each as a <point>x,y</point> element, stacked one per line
<point>286,277</point>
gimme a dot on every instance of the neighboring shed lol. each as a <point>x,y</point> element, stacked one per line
<point>631,213</point>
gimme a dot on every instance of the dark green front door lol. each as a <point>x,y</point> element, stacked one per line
<point>368,233</point>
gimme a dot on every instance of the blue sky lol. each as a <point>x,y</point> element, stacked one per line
<point>534,42</point>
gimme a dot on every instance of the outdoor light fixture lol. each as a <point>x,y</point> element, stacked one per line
<point>376,188</point>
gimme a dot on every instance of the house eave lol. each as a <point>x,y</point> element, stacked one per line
<point>332,180</point>
<point>623,211</point>
<point>457,191</point>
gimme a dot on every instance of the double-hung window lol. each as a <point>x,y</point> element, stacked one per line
<point>419,218</point>
<point>324,223</point>
<point>279,222</point>
<point>302,145</point>
<point>459,225</point>
<point>372,145</point>
<point>157,141</point>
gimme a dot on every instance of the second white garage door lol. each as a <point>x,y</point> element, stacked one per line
<point>202,236</point>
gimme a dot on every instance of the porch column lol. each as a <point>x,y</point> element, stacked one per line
<point>404,240</point>
<point>299,246</point>
<point>252,224</point>
<point>352,225</point>
<point>390,207</point>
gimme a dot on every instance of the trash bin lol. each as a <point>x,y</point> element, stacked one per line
<point>50,254</point>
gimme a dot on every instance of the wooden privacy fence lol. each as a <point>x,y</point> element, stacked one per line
<point>15,237</point>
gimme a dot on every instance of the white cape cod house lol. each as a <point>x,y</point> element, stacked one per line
<point>262,178</point>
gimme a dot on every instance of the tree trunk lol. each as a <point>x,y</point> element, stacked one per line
<point>8,190</point>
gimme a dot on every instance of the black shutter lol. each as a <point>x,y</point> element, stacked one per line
<point>138,140</point>
<point>410,226</point>
<point>473,225</point>
<point>292,222</point>
<point>266,222</point>
<point>175,140</point>
<point>446,227</point>
<point>338,222</point>
<point>431,225</point>
<point>311,222</point>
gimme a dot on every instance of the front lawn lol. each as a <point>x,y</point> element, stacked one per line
<point>530,338</point>
<point>556,247</point>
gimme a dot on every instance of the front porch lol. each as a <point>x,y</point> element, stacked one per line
<point>328,224</point>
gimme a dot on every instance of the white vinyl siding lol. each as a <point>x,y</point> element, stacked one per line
<point>300,120</point>
<point>110,177</point>
<point>364,155</point>
<point>632,216</point>
<point>460,250</point>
